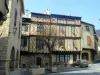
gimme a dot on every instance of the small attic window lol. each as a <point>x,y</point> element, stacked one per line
<point>87,28</point>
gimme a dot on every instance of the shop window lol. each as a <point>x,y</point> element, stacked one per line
<point>57,58</point>
<point>62,58</point>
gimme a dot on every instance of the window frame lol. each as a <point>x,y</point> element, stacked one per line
<point>61,42</point>
<point>62,30</point>
<point>40,28</point>
<point>23,42</point>
<point>39,43</point>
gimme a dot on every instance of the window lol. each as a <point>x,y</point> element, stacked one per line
<point>62,30</point>
<point>61,43</point>
<point>89,40</point>
<point>15,17</point>
<point>40,28</point>
<point>23,42</point>
<point>73,30</point>
<point>75,44</point>
<point>26,28</point>
<point>62,58</point>
<point>19,32</point>
<point>57,58</point>
<point>87,28</point>
<point>39,43</point>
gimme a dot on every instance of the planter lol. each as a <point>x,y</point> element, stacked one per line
<point>54,69</point>
<point>37,71</point>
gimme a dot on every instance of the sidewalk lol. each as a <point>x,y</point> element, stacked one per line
<point>61,69</point>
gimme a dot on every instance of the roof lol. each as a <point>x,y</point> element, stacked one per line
<point>56,16</point>
<point>28,20</point>
<point>87,23</point>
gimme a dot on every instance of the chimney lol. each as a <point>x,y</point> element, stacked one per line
<point>46,11</point>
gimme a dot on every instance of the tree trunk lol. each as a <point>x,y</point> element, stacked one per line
<point>50,60</point>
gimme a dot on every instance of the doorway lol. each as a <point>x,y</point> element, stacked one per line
<point>38,61</point>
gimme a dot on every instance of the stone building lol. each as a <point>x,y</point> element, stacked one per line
<point>3,10</point>
<point>66,29</point>
<point>10,37</point>
<point>89,41</point>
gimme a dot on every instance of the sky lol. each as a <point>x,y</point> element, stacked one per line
<point>89,10</point>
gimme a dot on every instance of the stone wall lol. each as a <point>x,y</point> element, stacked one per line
<point>30,61</point>
<point>9,39</point>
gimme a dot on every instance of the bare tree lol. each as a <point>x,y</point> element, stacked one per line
<point>50,37</point>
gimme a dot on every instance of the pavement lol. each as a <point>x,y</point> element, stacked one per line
<point>75,71</point>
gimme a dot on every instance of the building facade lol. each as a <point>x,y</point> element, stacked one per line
<point>3,10</point>
<point>10,37</point>
<point>66,29</point>
<point>89,41</point>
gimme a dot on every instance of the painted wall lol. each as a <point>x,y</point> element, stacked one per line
<point>85,34</point>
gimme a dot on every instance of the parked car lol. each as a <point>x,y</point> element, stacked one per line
<point>81,63</point>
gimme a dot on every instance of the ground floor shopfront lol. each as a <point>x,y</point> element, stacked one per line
<point>88,54</point>
<point>58,58</point>
<point>42,60</point>
<point>65,58</point>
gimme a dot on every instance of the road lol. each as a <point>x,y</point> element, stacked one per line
<point>76,71</point>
